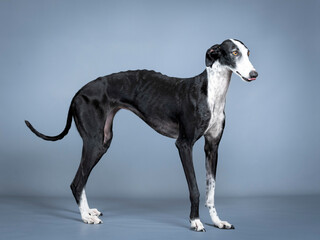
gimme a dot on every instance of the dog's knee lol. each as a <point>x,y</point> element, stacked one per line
<point>107,139</point>
<point>108,134</point>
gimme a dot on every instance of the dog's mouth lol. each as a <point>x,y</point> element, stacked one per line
<point>246,79</point>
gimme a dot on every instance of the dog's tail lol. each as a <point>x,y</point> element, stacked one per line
<point>58,137</point>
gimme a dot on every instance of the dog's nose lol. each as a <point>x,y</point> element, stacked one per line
<point>253,74</point>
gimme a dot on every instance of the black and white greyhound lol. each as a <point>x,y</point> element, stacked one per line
<point>181,108</point>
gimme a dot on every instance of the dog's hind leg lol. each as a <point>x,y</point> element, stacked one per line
<point>91,155</point>
<point>96,132</point>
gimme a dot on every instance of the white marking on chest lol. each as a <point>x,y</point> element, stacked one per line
<point>218,83</point>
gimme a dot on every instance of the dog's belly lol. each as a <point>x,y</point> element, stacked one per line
<point>163,125</point>
<point>166,128</point>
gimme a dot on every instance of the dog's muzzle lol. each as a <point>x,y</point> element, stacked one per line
<point>252,76</point>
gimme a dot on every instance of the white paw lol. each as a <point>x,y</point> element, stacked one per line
<point>223,224</point>
<point>197,225</point>
<point>90,219</point>
<point>94,212</point>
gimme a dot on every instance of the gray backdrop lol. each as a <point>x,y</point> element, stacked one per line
<point>49,49</point>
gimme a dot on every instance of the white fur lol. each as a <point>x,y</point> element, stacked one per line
<point>218,83</point>
<point>210,190</point>
<point>243,66</point>
<point>197,225</point>
<point>88,215</point>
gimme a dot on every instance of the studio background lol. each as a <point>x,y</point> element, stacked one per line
<point>50,49</point>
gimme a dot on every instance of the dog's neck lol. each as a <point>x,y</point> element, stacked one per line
<point>218,82</point>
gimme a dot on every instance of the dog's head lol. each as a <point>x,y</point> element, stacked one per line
<point>234,55</point>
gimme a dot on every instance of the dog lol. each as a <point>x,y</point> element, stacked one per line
<point>181,108</point>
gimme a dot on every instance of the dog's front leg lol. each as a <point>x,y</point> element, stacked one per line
<point>212,140</point>
<point>185,152</point>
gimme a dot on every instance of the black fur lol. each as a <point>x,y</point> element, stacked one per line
<point>174,107</point>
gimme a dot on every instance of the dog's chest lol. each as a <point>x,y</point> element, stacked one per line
<point>218,83</point>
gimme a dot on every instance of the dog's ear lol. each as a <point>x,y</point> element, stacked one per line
<point>212,55</point>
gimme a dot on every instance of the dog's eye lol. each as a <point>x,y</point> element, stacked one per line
<point>235,53</point>
<point>248,53</point>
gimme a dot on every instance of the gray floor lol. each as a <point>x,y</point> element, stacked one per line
<point>254,218</point>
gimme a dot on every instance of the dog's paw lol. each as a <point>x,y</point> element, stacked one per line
<point>197,225</point>
<point>223,225</point>
<point>91,219</point>
<point>94,212</point>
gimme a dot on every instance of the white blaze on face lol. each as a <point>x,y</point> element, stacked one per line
<point>243,65</point>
